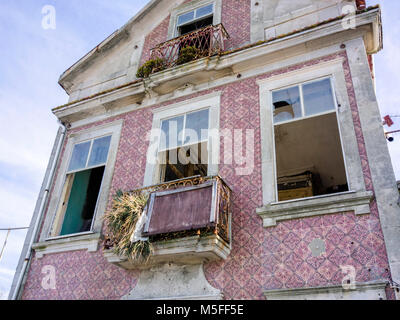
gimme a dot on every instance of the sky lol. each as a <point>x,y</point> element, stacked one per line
<point>31,61</point>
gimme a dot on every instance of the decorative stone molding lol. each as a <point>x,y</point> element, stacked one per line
<point>189,251</point>
<point>206,73</point>
<point>174,282</point>
<point>344,202</point>
<point>87,242</point>
<point>362,291</point>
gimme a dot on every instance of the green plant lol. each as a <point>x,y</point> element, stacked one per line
<point>149,67</point>
<point>121,220</point>
<point>188,54</point>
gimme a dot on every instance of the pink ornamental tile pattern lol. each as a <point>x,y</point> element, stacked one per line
<point>155,37</point>
<point>261,259</point>
<point>236,18</point>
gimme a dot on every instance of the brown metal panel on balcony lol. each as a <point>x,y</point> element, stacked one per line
<point>184,209</point>
<point>181,208</point>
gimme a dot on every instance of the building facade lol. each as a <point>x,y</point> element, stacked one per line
<point>274,106</point>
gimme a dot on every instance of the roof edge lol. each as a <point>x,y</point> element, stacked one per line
<point>225,53</point>
<point>105,42</point>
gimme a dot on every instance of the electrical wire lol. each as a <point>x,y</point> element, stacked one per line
<point>4,245</point>
<point>8,234</point>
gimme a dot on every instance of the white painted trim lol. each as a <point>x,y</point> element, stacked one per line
<point>211,101</point>
<point>92,110</point>
<point>359,202</point>
<point>362,291</point>
<point>193,5</point>
<point>70,236</point>
<point>114,129</point>
<point>334,70</point>
<point>189,250</point>
<point>87,242</point>
<point>382,174</point>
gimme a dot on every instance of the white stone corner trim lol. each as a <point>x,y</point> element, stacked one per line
<point>359,202</point>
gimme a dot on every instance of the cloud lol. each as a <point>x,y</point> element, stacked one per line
<point>30,67</point>
<point>387,66</point>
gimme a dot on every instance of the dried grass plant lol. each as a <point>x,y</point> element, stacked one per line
<point>121,220</point>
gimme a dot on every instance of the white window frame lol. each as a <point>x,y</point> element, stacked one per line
<point>303,111</point>
<point>87,167</point>
<point>193,5</point>
<point>111,129</point>
<point>184,129</point>
<point>304,117</point>
<point>194,19</point>
<point>357,199</point>
<point>211,102</point>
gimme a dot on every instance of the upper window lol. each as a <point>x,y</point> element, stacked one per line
<point>82,187</point>
<point>303,100</point>
<point>183,149</point>
<point>89,154</point>
<point>308,148</point>
<point>195,19</point>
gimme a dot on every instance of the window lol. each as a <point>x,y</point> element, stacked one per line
<point>183,148</point>
<point>195,19</point>
<point>82,187</point>
<point>308,149</point>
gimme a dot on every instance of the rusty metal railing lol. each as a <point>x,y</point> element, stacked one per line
<point>222,227</point>
<point>207,41</point>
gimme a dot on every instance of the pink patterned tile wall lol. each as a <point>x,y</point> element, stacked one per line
<point>158,35</point>
<point>261,259</point>
<point>236,18</point>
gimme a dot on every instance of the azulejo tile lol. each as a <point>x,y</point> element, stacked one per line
<point>261,258</point>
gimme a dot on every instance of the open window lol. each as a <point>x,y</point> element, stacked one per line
<point>195,19</point>
<point>309,154</point>
<point>82,187</point>
<point>183,150</point>
<point>188,23</point>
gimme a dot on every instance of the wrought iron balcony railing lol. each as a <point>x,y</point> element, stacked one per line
<point>186,207</point>
<point>204,42</point>
<point>187,220</point>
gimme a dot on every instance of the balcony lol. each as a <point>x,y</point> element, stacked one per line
<point>188,222</point>
<point>204,42</point>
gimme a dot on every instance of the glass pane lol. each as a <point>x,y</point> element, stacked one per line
<point>99,152</point>
<point>318,97</point>
<point>287,105</point>
<point>201,12</point>
<point>173,131</point>
<point>82,201</point>
<point>196,126</point>
<point>79,156</point>
<point>184,18</point>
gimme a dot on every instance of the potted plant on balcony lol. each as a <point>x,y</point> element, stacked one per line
<point>149,67</point>
<point>188,54</point>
